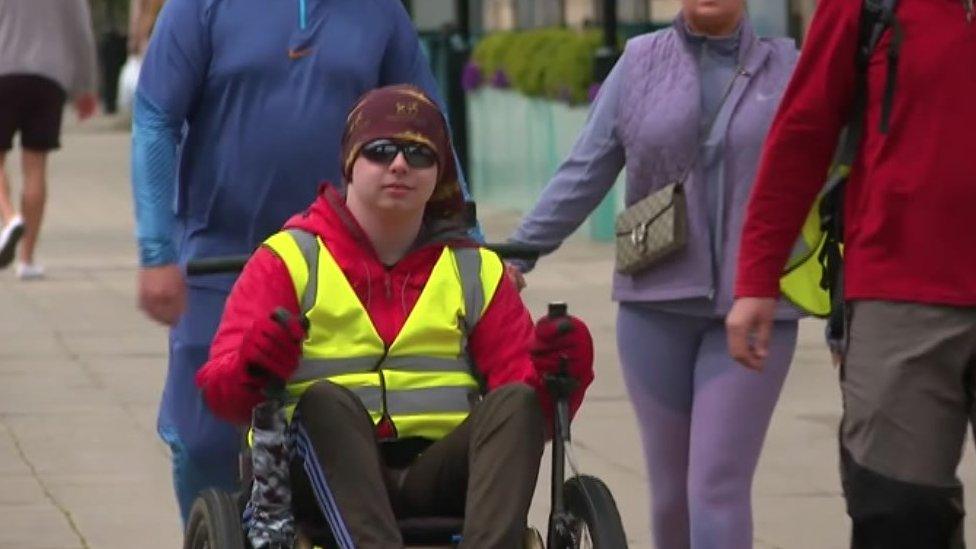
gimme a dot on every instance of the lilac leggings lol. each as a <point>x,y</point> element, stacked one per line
<point>703,418</point>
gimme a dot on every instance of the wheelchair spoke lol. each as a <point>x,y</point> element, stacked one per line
<point>580,536</point>
<point>585,541</point>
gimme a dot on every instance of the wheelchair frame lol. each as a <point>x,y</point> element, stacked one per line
<point>583,513</point>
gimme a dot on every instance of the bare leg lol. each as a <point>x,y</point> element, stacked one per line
<point>32,200</point>
<point>6,205</point>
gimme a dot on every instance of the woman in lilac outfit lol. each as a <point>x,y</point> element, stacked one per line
<point>703,418</point>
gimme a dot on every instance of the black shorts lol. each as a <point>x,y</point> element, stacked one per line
<point>31,105</point>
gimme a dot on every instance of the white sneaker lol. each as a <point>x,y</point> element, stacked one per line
<point>29,271</point>
<point>9,236</point>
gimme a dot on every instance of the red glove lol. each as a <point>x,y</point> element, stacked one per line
<point>560,340</point>
<point>273,348</point>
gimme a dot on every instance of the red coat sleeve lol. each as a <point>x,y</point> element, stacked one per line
<point>799,147</point>
<point>500,342</point>
<point>263,286</point>
<point>500,345</point>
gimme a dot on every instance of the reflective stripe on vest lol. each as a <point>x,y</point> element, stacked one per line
<point>424,375</point>
<point>315,368</point>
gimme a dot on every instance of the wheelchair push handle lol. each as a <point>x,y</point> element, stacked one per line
<point>514,250</point>
<point>235,263</point>
<point>216,265</point>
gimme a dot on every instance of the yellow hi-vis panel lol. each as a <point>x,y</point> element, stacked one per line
<point>339,326</point>
<point>432,327</point>
<point>423,381</point>
<point>800,282</point>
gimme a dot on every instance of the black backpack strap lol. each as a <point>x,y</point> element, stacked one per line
<point>877,16</point>
<point>881,15</point>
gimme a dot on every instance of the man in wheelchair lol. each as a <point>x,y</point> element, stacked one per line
<point>416,389</point>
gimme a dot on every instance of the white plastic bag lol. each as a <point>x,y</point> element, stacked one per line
<point>128,79</point>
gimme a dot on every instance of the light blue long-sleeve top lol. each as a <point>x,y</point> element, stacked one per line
<point>239,112</point>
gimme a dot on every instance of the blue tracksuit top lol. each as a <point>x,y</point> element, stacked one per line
<point>242,103</point>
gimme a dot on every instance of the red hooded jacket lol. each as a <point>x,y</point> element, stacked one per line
<point>499,344</point>
<point>910,202</point>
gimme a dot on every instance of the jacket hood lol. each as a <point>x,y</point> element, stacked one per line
<point>329,218</point>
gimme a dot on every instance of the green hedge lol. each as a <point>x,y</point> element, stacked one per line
<point>554,63</point>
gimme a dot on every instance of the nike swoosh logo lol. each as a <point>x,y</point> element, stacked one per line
<point>298,54</point>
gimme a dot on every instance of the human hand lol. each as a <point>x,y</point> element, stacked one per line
<point>560,341</point>
<point>85,106</point>
<point>515,275</point>
<point>162,293</point>
<point>748,327</point>
<point>272,347</point>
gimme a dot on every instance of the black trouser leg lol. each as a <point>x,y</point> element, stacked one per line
<point>337,475</point>
<point>486,469</point>
<point>890,514</point>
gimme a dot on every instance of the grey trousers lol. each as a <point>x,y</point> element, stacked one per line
<point>908,386</point>
<point>485,471</point>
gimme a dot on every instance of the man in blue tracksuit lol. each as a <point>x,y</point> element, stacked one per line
<point>237,119</point>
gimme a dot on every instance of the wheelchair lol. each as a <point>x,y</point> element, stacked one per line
<point>583,513</point>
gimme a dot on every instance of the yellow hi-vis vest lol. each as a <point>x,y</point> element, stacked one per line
<point>801,280</point>
<point>424,380</point>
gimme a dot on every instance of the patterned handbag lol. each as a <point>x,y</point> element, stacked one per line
<point>656,226</point>
<point>652,229</point>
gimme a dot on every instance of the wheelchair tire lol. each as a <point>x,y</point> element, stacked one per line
<point>215,522</point>
<point>597,523</point>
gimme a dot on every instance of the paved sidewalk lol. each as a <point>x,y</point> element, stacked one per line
<point>81,371</point>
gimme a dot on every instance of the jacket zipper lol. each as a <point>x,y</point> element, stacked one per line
<point>718,247</point>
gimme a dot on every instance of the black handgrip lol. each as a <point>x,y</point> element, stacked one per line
<point>235,263</point>
<point>216,265</point>
<point>512,250</point>
<point>563,383</point>
<point>557,309</point>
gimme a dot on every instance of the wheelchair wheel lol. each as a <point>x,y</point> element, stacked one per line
<point>596,523</point>
<point>215,522</point>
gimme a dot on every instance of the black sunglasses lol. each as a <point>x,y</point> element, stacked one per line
<point>383,151</point>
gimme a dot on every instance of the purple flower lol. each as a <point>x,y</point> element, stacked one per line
<point>500,79</point>
<point>592,92</point>
<point>470,77</point>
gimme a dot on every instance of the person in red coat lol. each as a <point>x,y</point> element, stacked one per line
<point>909,256</point>
<point>413,394</point>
